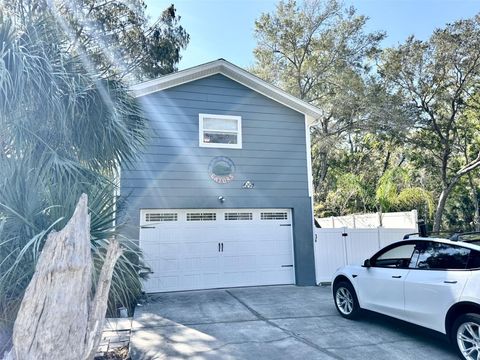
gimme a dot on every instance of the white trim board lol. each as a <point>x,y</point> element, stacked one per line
<point>233,72</point>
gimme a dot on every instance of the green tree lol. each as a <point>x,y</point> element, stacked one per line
<point>115,37</point>
<point>350,196</point>
<point>396,192</point>
<point>319,51</point>
<point>63,131</point>
<point>437,78</point>
<point>470,131</point>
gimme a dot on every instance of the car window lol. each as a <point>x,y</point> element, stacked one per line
<point>474,260</point>
<point>439,256</point>
<point>396,257</point>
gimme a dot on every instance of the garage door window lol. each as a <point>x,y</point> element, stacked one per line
<point>201,216</point>
<point>273,216</point>
<point>238,216</point>
<point>157,217</point>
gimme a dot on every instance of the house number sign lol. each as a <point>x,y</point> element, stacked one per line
<point>221,170</point>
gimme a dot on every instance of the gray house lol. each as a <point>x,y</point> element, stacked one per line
<point>222,194</point>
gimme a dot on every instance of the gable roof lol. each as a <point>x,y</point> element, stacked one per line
<point>233,72</point>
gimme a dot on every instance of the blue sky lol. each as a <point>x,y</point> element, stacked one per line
<point>224,28</point>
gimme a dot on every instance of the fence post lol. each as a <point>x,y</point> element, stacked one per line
<point>354,222</point>
<point>344,240</point>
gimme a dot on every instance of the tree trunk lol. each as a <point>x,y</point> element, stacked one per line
<point>386,162</point>
<point>442,200</point>
<point>476,216</point>
<point>448,186</point>
<point>476,203</point>
<point>57,318</point>
<point>321,175</point>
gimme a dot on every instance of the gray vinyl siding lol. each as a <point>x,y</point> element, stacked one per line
<point>172,171</point>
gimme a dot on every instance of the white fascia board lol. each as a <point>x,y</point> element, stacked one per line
<point>255,83</point>
<point>175,79</point>
<point>308,123</point>
<point>233,72</point>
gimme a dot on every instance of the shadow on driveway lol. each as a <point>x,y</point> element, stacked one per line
<point>272,322</point>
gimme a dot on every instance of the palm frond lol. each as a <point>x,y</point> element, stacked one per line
<point>63,130</point>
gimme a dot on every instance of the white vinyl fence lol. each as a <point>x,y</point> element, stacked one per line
<point>397,220</point>
<point>341,246</point>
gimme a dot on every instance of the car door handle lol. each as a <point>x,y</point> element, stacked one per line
<point>450,281</point>
<point>396,276</point>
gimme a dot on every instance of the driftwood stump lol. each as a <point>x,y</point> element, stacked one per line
<point>58,319</point>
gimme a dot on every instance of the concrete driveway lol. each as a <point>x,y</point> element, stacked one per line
<point>272,322</point>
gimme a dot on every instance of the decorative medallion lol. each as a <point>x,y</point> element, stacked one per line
<point>221,169</point>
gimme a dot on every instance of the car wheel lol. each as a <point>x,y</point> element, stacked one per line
<point>465,336</point>
<point>346,300</point>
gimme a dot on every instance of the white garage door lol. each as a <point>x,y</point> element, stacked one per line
<point>202,249</point>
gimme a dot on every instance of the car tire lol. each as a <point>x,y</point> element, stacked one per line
<point>466,343</point>
<point>345,300</point>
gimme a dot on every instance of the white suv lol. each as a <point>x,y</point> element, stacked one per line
<point>430,282</point>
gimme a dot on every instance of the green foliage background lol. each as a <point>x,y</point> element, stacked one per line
<point>400,126</point>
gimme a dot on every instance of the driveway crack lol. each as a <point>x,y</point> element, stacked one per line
<point>286,331</point>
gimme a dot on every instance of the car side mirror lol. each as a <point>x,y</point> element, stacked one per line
<point>367,263</point>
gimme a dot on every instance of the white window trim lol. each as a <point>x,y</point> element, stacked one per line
<point>238,145</point>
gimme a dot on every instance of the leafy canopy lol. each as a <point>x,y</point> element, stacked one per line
<point>438,78</point>
<point>116,38</point>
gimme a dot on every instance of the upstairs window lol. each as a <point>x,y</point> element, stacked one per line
<point>220,131</point>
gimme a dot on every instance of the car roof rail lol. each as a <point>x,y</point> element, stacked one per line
<point>458,235</point>
<point>447,232</point>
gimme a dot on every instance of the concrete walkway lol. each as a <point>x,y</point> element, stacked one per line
<point>273,322</point>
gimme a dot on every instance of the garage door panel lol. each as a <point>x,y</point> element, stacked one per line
<point>199,265</point>
<point>239,263</point>
<point>271,276</point>
<point>192,265</point>
<point>155,249</point>
<point>162,266</point>
<point>239,234</point>
<point>192,281</point>
<point>271,262</point>
<point>279,247</point>
<point>274,248</point>
<point>165,282</point>
<point>211,280</point>
<point>244,278</point>
<point>185,255</point>
<point>197,249</point>
<point>191,235</point>
<point>239,248</point>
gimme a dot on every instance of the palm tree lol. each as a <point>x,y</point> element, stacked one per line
<point>63,131</point>
<point>395,193</point>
